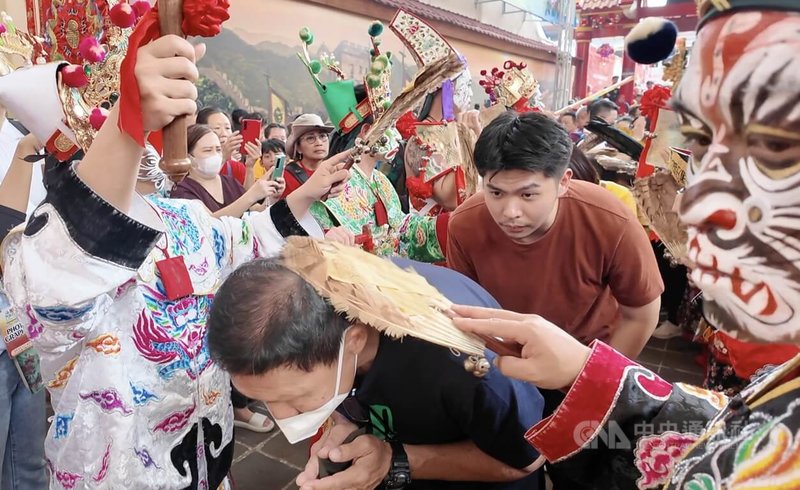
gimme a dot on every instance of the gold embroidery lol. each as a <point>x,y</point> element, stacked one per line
<point>63,375</point>
<point>62,143</point>
<point>209,397</point>
<point>105,344</point>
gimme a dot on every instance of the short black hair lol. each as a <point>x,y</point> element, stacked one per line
<point>583,168</point>
<point>257,115</point>
<point>265,316</point>
<point>272,126</point>
<point>238,114</point>
<point>273,145</point>
<point>573,115</point>
<point>531,141</point>
<point>206,112</point>
<point>600,107</point>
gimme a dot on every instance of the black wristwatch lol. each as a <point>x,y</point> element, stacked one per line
<point>400,472</point>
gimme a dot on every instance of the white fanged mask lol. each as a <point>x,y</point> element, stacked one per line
<point>738,106</point>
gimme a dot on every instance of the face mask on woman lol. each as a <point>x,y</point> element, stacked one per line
<point>208,166</point>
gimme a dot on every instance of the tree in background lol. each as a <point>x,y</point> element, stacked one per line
<point>209,94</point>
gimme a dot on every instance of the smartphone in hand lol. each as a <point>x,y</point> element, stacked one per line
<point>251,133</point>
<point>280,167</point>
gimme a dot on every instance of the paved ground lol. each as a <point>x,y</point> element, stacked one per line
<point>268,462</point>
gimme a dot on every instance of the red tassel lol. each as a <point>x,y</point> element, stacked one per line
<point>156,140</point>
<point>204,17</point>
<point>200,18</point>
<point>130,104</point>
<point>381,214</point>
<point>407,125</point>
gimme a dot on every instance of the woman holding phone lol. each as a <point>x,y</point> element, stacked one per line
<point>221,194</point>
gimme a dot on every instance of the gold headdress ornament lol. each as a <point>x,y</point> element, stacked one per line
<point>86,43</point>
<point>90,86</point>
<point>513,86</point>
<point>412,95</point>
<point>427,46</point>
<point>676,66</point>
<point>655,197</point>
<point>338,96</point>
<point>380,294</point>
<point>18,49</point>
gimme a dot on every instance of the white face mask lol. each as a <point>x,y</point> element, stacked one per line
<point>302,426</point>
<point>208,166</point>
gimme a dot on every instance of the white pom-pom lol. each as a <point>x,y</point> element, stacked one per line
<point>652,40</point>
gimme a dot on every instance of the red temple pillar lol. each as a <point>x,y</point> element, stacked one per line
<point>628,70</point>
<point>582,73</point>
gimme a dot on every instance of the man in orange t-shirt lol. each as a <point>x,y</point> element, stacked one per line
<point>540,243</point>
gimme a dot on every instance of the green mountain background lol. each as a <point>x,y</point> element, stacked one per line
<point>248,66</point>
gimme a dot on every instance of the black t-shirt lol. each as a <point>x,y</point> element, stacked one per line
<point>421,394</point>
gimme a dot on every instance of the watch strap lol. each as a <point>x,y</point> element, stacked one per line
<point>400,471</point>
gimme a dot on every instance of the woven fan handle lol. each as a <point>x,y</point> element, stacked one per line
<point>175,161</point>
<point>502,347</point>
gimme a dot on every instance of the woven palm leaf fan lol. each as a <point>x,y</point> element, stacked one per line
<point>655,195</point>
<point>380,294</point>
<point>427,80</point>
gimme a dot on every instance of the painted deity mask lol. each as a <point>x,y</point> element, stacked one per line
<point>739,108</point>
<point>462,90</point>
<point>388,146</point>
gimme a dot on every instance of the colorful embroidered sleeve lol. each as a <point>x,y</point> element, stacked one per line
<point>422,238</point>
<point>75,237</point>
<point>622,424</point>
<point>256,235</point>
<point>323,216</point>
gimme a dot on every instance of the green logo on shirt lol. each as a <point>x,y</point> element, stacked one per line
<point>382,422</point>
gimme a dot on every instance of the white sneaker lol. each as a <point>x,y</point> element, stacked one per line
<point>667,330</point>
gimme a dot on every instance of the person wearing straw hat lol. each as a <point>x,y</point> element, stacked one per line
<point>307,146</point>
<point>621,425</point>
<point>426,422</point>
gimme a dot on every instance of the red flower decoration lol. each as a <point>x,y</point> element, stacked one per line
<point>122,15</point>
<point>204,17</point>
<point>654,99</point>
<point>73,76</point>
<point>91,51</point>
<point>98,117</point>
<point>2,29</point>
